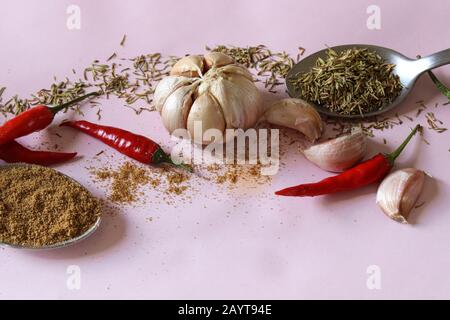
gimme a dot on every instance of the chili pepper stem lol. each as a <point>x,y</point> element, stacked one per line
<point>161,157</point>
<point>442,88</point>
<point>60,107</point>
<point>394,155</point>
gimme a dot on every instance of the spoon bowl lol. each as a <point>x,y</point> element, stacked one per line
<point>58,245</point>
<point>406,68</point>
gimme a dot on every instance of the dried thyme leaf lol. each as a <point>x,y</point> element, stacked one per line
<point>124,38</point>
<point>1,92</point>
<point>114,55</point>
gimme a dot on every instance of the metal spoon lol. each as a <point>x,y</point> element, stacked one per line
<point>407,69</point>
<point>62,244</point>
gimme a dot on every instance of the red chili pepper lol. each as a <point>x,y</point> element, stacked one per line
<point>132,145</point>
<point>13,152</point>
<point>367,172</point>
<point>34,119</point>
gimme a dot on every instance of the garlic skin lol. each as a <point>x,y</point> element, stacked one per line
<point>176,108</point>
<point>339,154</point>
<point>190,66</point>
<point>398,193</point>
<point>211,89</point>
<point>296,114</point>
<point>166,87</point>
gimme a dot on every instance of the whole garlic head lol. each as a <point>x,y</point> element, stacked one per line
<point>296,114</point>
<point>212,90</point>
<point>399,191</point>
<point>339,154</point>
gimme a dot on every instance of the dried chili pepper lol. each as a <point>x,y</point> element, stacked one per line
<point>367,172</point>
<point>34,119</point>
<point>13,152</point>
<point>130,144</point>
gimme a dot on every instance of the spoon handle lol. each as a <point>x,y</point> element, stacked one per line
<point>433,61</point>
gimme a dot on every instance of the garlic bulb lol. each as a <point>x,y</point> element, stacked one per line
<point>295,114</point>
<point>398,193</point>
<point>210,90</point>
<point>338,154</point>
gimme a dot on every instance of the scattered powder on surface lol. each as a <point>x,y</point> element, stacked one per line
<point>126,182</point>
<point>40,206</point>
<point>233,174</point>
<point>134,184</point>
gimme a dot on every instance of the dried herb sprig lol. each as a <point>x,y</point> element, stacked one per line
<point>354,81</point>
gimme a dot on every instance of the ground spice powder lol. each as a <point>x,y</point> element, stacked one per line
<point>127,180</point>
<point>40,206</point>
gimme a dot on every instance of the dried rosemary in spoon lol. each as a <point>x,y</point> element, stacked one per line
<point>354,81</point>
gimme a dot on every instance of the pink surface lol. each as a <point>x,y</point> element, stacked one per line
<point>243,246</point>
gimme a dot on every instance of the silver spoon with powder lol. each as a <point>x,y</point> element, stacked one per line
<point>62,244</point>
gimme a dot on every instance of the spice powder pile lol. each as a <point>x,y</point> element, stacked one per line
<point>40,206</point>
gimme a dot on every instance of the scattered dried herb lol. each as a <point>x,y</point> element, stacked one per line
<point>124,38</point>
<point>58,93</point>
<point>114,55</point>
<point>354,81</point>
<point>272,67</point>
<point>434,123</point>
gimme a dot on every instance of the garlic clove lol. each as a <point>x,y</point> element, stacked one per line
<point>240,101</point>
<point>176,108</point>
<point>296,114</point>
<point>190,66</point>
<point>217,60</point>
<point>206,110</point>
<point>166,87</point>
<point>399,191</point>
<point>235,69</point>
<point>338,154</point>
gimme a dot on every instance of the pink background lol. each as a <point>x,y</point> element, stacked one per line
<point>244,246</point>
